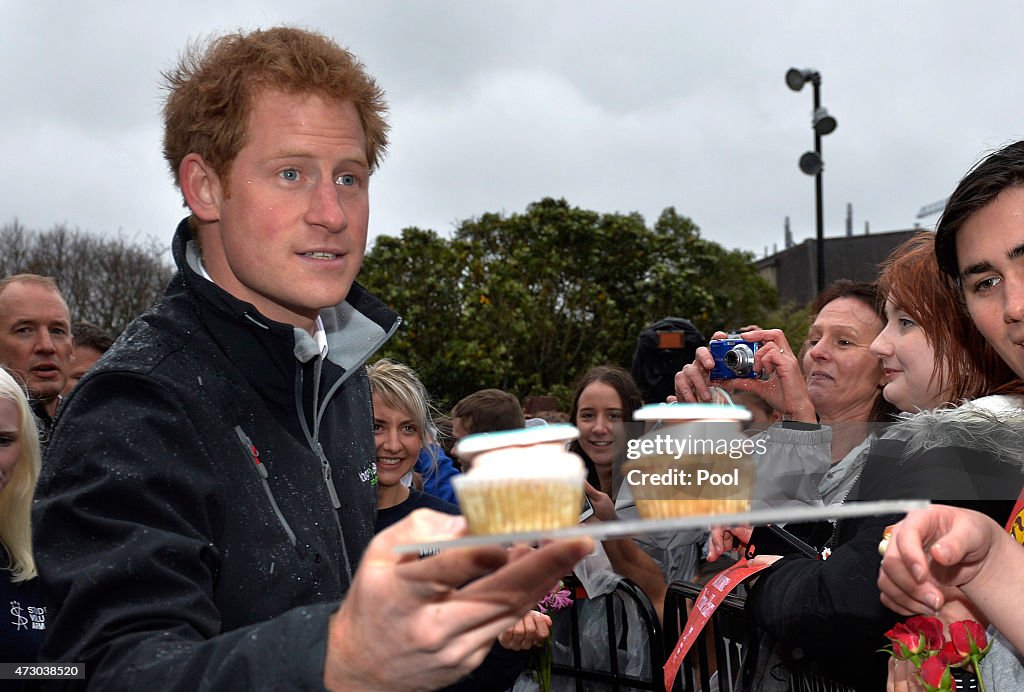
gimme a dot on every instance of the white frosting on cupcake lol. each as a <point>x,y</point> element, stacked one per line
<point>532,461</point>
<point>534,487</point>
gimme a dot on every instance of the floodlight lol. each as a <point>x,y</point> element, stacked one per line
<point>811,163</point>
<point>795,79</point>
<point>824,123</point>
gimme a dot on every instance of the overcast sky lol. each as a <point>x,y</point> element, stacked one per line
<point>615,106</point>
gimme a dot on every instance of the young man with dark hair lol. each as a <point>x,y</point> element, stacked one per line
<point>488,410</point>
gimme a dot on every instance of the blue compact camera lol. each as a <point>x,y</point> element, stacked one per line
<point>734,358</point>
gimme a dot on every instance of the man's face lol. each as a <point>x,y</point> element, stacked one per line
<point>35,337</point>
<point>291,226</point>
<point>990,255</point>
<point>85,358</point>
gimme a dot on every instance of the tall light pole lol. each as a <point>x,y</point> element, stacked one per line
<point>811,162</point>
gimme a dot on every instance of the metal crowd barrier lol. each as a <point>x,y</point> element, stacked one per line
<point>721,646</point>
<point>626,615</point>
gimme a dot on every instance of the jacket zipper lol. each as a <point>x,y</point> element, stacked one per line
<point>833,540</point>
<point>326,465</point>
<point>261,471</point>
<point>317,448</point>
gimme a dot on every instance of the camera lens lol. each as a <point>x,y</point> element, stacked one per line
<point>739,359</point>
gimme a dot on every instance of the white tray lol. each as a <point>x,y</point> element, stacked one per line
<point>601,530</point>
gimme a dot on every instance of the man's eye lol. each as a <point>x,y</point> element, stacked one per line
<point>346,180</point>
<point>987,284</point>
<point>290,174</point>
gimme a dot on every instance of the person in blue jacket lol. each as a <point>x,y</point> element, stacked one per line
<point>437,470</point>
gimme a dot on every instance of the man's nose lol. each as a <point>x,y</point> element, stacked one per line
<point>1013,299</point>
<point>44,342</point>
<point>326,207</point>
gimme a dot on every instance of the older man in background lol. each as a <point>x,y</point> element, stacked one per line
<point>35,341</point>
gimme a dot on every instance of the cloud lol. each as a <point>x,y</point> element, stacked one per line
<point>495,105</point>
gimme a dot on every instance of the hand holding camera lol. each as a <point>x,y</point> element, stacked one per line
<point>739,362</point>
<point>693,383</point>
<point>734,358</point>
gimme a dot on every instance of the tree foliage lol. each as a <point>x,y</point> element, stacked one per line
<point>527,302</point>
<point>106,281</point>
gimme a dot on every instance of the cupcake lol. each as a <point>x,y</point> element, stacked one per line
<point>520,480</point>
<point>698,462</point>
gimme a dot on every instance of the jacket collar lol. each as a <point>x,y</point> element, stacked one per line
<point>355,329</point>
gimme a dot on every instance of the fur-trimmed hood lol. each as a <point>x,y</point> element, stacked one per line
<point>992,424</point>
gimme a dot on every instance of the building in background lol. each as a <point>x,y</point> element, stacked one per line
<point>856,257</point>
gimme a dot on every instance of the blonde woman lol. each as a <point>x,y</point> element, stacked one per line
<point>22,633</point>
<point>402,426</point>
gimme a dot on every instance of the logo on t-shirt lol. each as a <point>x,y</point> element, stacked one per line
<point>32,617</point>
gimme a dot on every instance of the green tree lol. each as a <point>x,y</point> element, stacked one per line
<point>414,275</point>
<point>527,302</point>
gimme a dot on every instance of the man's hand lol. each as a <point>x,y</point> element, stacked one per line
<point>931,554</point>
<point>411,624</point>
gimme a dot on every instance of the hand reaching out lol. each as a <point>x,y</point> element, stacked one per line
<point>409,624</point>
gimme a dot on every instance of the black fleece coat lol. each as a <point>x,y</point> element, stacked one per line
<point>184,525</point>
<point>828,613</point>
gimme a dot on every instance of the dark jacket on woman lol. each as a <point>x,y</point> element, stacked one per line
<point>828,613</point>
<point>207,493</point>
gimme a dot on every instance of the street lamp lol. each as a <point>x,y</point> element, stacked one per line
<point>811,162</point>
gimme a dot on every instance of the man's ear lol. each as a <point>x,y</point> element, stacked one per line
<point>201,187</point>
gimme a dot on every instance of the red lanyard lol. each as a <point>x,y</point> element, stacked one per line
<point>1015,524</point>
<point>711,596</point>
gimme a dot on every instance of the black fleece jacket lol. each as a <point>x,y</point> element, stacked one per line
<point>186,527</point>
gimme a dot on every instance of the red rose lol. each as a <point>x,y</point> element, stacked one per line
<point>918,635</point>
<point>905,641</point>
<point>931,630</point>
<point>936,676</point>
<point>969,638</point>
<point>951,657</point>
